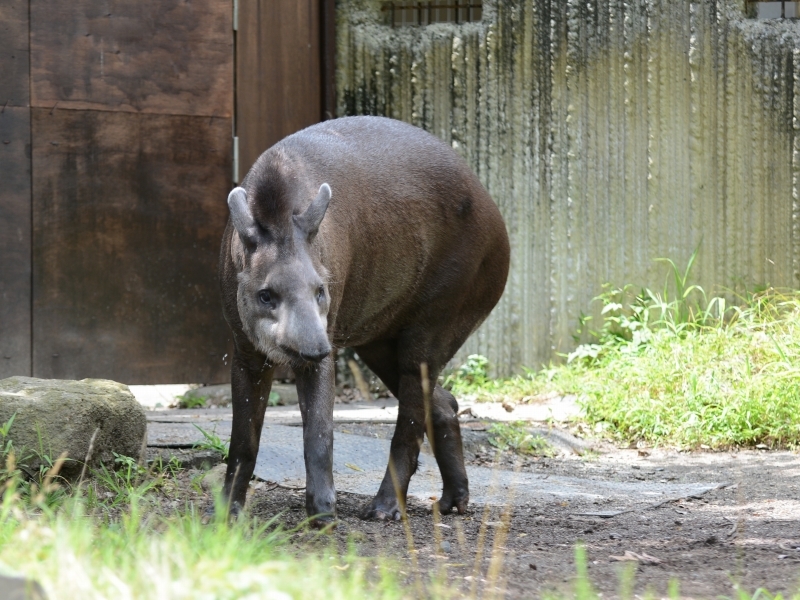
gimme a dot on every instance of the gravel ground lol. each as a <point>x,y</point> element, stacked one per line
<point>747,532</point>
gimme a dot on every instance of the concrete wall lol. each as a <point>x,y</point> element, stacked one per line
<point>610,133</point>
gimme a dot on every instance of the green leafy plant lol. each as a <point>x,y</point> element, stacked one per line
<point>675,368</point>
<point>212,442</point>
<point>6,446</point>
<point>472,374</point>
<point>629,317</point>
<point>169,469</point>
<point>7,450</point>
<point>191,401</point>
<point>730,382</point>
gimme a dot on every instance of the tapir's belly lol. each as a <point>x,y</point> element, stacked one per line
<point>367,313</point>
<point>377,292</point>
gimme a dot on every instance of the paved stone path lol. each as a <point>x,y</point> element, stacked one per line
<point>360,462</point>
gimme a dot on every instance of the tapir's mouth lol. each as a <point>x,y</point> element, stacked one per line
<point>291,353</point>
<point>298,356</point>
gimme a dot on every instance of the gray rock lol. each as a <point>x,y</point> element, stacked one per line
<point>214,395</point>
<point>52,416</point>
<point>18,588</point>
<point>214,479</point>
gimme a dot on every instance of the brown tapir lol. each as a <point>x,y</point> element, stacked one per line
<point>360,232</point>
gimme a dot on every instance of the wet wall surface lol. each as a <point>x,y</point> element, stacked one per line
<point>611,133</point>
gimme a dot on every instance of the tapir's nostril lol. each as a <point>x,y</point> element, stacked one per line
<point>315,357</point>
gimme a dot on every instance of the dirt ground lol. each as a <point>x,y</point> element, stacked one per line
<point>746,532</point>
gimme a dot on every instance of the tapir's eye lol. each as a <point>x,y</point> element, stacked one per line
<point>320,293</point>
<point>265,297</point>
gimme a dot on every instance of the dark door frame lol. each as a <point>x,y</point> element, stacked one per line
<point>328,59</point>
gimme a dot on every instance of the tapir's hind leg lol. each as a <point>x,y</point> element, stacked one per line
<point>402,376</point>
<point>381,357</point>
<point>449,451</point>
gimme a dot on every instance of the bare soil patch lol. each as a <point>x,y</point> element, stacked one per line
<point>746,533</point>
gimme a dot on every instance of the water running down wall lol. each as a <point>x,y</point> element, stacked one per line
<point>610,133</point>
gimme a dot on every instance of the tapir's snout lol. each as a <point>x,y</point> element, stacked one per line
<point>302,332</point>
<point>313,343</point>
<point>308,352</point>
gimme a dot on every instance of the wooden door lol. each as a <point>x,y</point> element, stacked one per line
<point>132,106</point>
<point>116,158</point>
<point>279,74</point>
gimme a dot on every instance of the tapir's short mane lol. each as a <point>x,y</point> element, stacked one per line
<point>272,186</point>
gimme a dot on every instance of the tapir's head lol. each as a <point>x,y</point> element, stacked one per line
<point>282,290</point>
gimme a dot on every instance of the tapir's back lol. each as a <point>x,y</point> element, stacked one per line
<point>409,227</point>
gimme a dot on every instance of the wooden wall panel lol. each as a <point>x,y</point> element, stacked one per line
<point>158,56</point>
<point>128,211</point>
<point>278,76</point>
<point>15,242</point>
<point>14,78</point>
<point>15,191</point>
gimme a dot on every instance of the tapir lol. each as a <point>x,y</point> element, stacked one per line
<point>368,233</point>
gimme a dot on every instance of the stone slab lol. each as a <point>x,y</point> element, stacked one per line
<point>185,435</point>
<point>179,428</point>
<point>384,411</point>
<point>360,462</point>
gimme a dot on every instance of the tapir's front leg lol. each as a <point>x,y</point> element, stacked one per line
<point>315,391</point>
<point>251,381</point>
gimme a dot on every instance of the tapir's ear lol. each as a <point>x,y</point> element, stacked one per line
<point>241,217</point>
<point>238,253</point>
<point>309,220</point>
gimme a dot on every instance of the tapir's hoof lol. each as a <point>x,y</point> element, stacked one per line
<point>450,501</point>
<point>234,510</point>
<point>324,522</point>
<point>375,514</point>
<point>379,511</point>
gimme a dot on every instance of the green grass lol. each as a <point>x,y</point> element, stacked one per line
<point>515,436</point>
<point>74,556</point>
<point>679,371</point>
<point>104,539</point>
